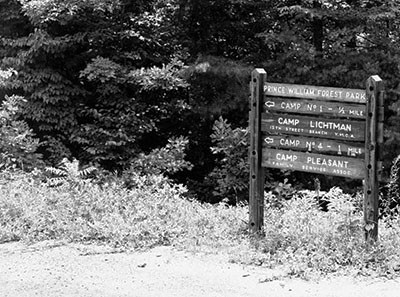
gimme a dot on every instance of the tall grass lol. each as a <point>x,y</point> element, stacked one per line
<point>299,238</point>
<point>155,212</point>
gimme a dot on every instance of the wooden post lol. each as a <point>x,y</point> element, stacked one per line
<point>256,192</point>
<point>372,138</point>
<point>380,127</point>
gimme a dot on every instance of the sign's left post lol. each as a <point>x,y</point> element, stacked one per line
<point>256,189</point>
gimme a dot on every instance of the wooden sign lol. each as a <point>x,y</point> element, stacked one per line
<point>315,145</point>
<point>316,163</point>
<point>315,129</point>
<point>311,126</point>
<point>314,92</point>
<point>336,109</point>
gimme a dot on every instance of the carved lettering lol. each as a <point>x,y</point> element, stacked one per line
<point>291,105</point>
<point>359,113</point>
<point>344,135</point>
<point>313,168</point>
<point>354,151</point>
<point>330,125</point>
<point>286,157</point>
<point>289,142</point>
<point>311,107</point>
<point>327,162</point>
<point>358,96</point>
<point>285,121</point>
<point>273,89</point>
<point>318,132</point>
<point>342,172</point>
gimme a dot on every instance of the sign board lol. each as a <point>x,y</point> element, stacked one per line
<point>315,163</point>
<point>314,145</point>
<point>313,126</point>
<point>335,109</point>
<point>324,130</point>
<point>315,92</point>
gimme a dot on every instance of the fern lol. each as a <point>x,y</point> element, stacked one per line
<point>69,173</point>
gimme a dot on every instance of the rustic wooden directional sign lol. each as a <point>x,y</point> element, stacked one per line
<point>312,126</point>
<point>336,109</point>
<point>316,163</point>
<point>315,92</point>
<point>314,145</point>
<point>315,129</point>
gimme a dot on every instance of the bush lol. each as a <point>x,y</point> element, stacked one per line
<point>166,160</point>
<point>17,143</point>
<point>391,204</point>
<point>303,240</point>
<point>154,212</point>
<point>69,174</point>
<point>232,175</point>
<point>162,161</point>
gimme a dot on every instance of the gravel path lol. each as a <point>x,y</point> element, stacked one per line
<point>50,270</point>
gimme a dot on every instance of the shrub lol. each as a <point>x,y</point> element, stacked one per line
<point>166,160</point>
<point>154,212</point>
<point>17,143</point>
<point>391,204</point>
<point>69,174</point>
<point>5,75</point>
<point>162,161</point>
<point>303,240</point>
<point>232,175</point>
<point>300,240</point>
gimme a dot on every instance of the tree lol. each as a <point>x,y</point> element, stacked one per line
<point>97,75</point>
<point>18,144</point>
<point>338,43</point>
<point>106,81</point>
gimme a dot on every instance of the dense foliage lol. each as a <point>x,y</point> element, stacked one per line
<point>301,240</point>
<point>393,195</point>
<point>112,83</point>
<point>17,143</point>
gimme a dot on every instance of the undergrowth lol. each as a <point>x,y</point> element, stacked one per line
<point>300,239</point>
<point>154,212</point>
<point>305,240</point>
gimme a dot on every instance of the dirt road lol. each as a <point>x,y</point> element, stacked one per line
<point>51,270</point>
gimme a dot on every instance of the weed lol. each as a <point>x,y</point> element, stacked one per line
<point>300,240</point>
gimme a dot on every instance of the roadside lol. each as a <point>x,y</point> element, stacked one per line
<point>53,269</point>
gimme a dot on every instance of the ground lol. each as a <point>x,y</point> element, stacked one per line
<point>54,269</point>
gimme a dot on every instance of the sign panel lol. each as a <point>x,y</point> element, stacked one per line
<point>314,145</point>
<point>315,163</point>
<point>315,92</point>
<point>337,109</point>
<point>314,127</point>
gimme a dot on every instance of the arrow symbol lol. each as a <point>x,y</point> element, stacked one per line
<point>268,140</point>
<point>269,104</point>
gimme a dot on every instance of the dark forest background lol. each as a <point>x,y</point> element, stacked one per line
<point>161,86</point>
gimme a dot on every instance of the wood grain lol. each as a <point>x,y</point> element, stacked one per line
<point>315,107</point>
<point>315,92</point>
<point>314,127</point>
<point>315,145</point>
<point>315,163</point>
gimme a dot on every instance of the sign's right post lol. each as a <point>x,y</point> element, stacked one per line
<point>373,141</point>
